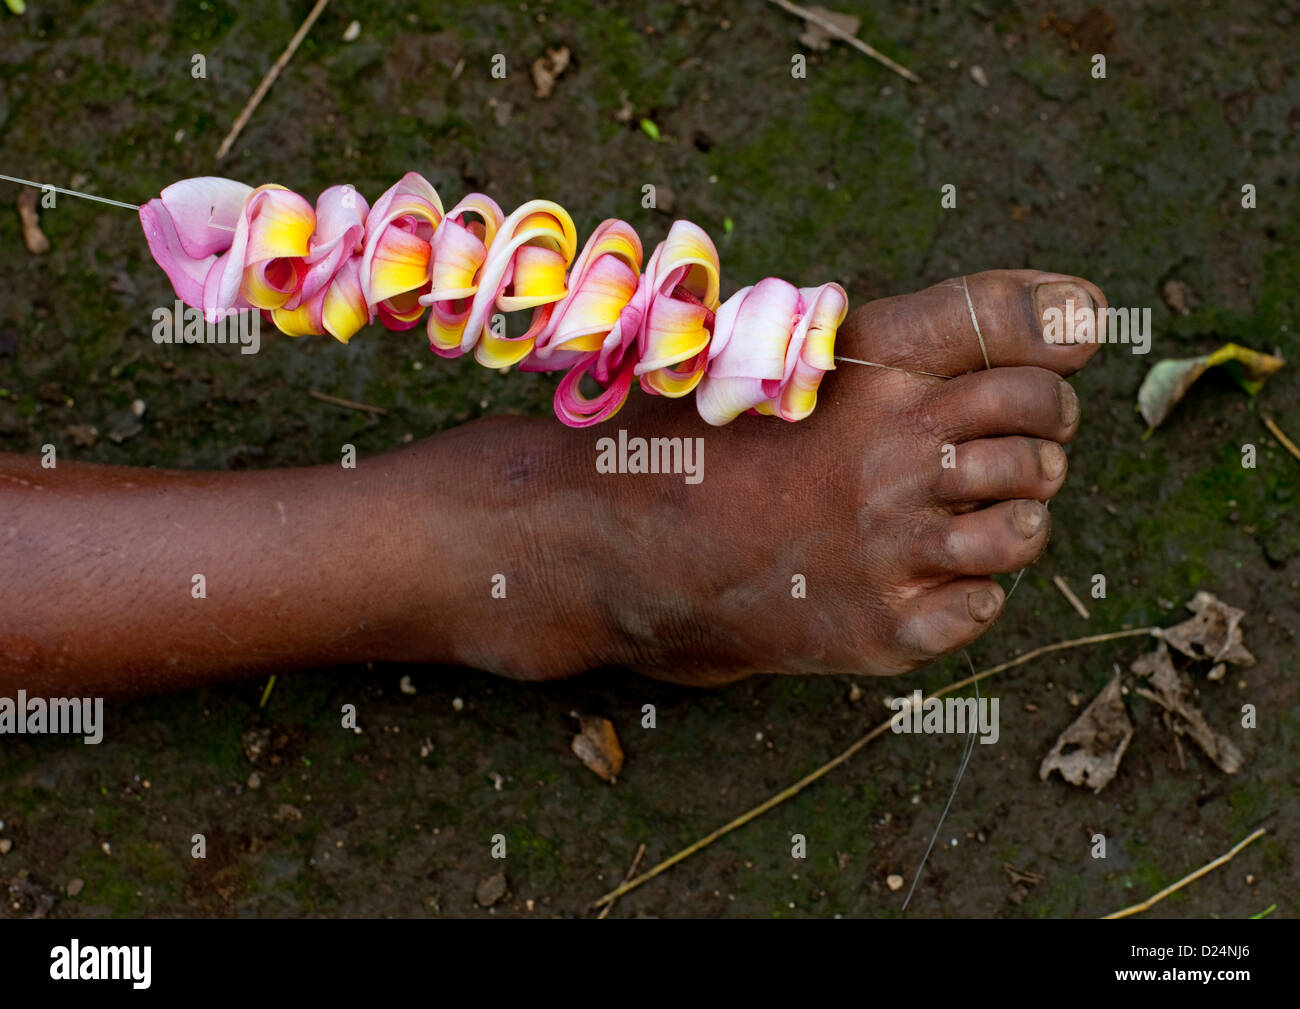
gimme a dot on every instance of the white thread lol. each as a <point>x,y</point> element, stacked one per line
<point>905,371</point>
<point>975,322</point>
<point>961,771</point>
<point>71,192</point>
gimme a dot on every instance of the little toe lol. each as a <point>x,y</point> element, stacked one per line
<point>949,617</point>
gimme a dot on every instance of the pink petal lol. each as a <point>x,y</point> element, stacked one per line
<point>186,273</point>
<point>205,211</point>
<point>761,333</point>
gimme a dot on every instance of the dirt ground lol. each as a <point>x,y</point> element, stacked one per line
<point>1133,181</point>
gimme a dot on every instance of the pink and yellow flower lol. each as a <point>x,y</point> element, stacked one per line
<point>524,268</point>
<point>395,259</point>
<point>672,311</point>
<point>225,246</point>
<point>330,299</point>
<point>585,331</point>
<point>459,250</point>
<point>772,343</point>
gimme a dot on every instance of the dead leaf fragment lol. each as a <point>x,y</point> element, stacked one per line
<point>1173,692</point>
<point>1088,752</point>
<point>82,435</point>
<point>547,69</point>
<point>814,36</point>
<point>1214,634</point>
<point>1177,296</point>
<point>491,890</point>
<point>1168,381</point>
<point>33,237</point>
<point>597,746</point>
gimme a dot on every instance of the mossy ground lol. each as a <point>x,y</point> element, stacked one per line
<point>1132,181</point>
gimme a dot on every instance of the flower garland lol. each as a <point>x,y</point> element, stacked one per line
<point>333,268</point>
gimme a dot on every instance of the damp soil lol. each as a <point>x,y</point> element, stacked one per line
<point>1133,181</point>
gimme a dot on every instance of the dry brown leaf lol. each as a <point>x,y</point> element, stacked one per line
<point>33,237</point>
<point>547,69</point>
<point>814,36</point>
<point>1214,634</point>
<point>596,745</point>
<point>1173,692</point>
<point>1088,752</point>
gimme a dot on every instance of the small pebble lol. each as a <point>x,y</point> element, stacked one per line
<point>254,780</point>
<point>6,846</point>
<point>351,32</point>
<point>106,848</point>
<point>75,886</point>
<point>405,686</point>
<point>894,882</point>
<point>490,890</point>
<point>457,704</point>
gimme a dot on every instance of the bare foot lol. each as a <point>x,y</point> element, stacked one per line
<point>700,583</point>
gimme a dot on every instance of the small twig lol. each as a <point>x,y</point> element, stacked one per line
<point>1227,857</point>
<point>1022,875</point>
<point>631,871</point>
<point>1071,598</point>
<point>835,762</point>
<point>852,40</point>
<point>1287,443</point>
<point>348,403</point>
<point>269,79</point>
<point>266,694</point>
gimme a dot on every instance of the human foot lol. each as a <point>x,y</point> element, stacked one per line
<point>862,539</point>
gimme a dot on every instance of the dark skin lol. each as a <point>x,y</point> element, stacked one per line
<point>394,560</point>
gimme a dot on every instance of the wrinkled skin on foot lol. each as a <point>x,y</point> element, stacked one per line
<point>693,583</point>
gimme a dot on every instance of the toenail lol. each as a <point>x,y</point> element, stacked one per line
<point>1052,457</point>
<point>1028,517</point>
<point>982,604</point>
<point>1069,403</point>
<point>1059,305</point>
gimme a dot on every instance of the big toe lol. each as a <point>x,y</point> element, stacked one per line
<point>986,320</point>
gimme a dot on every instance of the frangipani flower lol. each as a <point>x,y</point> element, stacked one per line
<point>395,260</point>
<point>330,299</point>
<point>524,268</point>
<point>588,319</point>
<point>225,246</point>
<point>772,343</point>
<point>672,311</point>
<point>460,247</point>
<point>189,226</point>
<point>264,264</point>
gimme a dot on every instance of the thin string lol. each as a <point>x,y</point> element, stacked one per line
<point>975,322</point>
<point>71,192</point>
<point>905,371</point>
<point>961,772</point>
